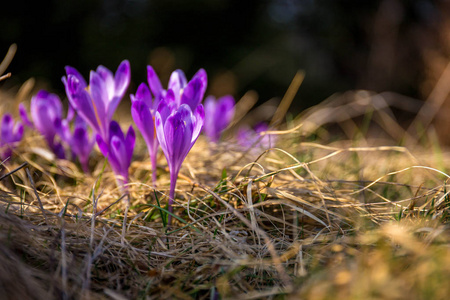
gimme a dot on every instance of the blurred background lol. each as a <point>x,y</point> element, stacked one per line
<point>394,45</point>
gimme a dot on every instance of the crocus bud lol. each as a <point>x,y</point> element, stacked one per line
<point>10,135</point>
<point>218,115</point>
<point>143,112</point>
<point>47,117</point>
<point>119,150</point>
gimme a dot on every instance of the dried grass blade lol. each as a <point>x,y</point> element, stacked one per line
<point>281,194</point>
<point>3,77</point>
<point>288,98</point>
<point>13,171</point>
<point>8,58</point>
<point>252,210</point>
<point>36,194</point>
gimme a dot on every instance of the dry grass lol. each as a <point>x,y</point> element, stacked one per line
<point>329,214</point>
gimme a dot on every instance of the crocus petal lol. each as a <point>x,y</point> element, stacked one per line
<point>43,122</point>
<point>10,134</point>
<point>80,122</point>
<point>178,131</point>
<point>79,140</point>
<point>168,133</point>
<point>18,132</point>
<point>81,101</point>
<point>115,150</point>
<point>170,98</point>
<point>72,85</point>
<point>166,107</point>
<point>159,126</point>
<point>107,76</point>
<point>85,108</point>
<point>7,124</point>
<point>177,79</point>
<point>210,105</point>
<point>58,149</point>
<point>202,75</point>
<point>154,83</point>
<point>224,112</point>
<point>177,82</point>
<point>46,112</point>
<point>210,119</point>
<point>100,98</point>
<point>24,116</point>
<point>119,149</point>
<point>143,94</point>
<point>70,113</point>
<point>191,94</point>
<point>115,130</point>
<point>122,78</point>
<point>81,144</point>
<point>50,101</point>
<point>112,107</point>
<point>118,155</point>
<point>65,133</point>
<point>130,140</point>
<point>120,85</point>
<point>102,145</point>
<point>72,71</point>
<point>195,90</point>
<point>218,115</point>
<point>198,120</point>
<point>55,103</point>
<point>144,121</point>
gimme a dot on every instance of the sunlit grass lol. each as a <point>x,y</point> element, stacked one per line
<point>346,206</point>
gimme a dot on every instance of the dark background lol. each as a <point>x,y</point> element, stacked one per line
<point>243,44</point>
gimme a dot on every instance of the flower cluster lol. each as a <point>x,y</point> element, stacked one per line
<point>171,118</point>
<point>47,119</point>
<point>95,105</point>
<point>145,107</point>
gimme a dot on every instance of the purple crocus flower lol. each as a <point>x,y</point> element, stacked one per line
<point>119,150</point>
<point>79,141</point>
<point>218,115</point>
<point>143,111</point>
<point>10,135</point>
<point>248,137</point>
<point>184,92</point>
<point>46,113</point>
<point>97,102</point>
<point>179,92</point>
<point>177,129</point>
